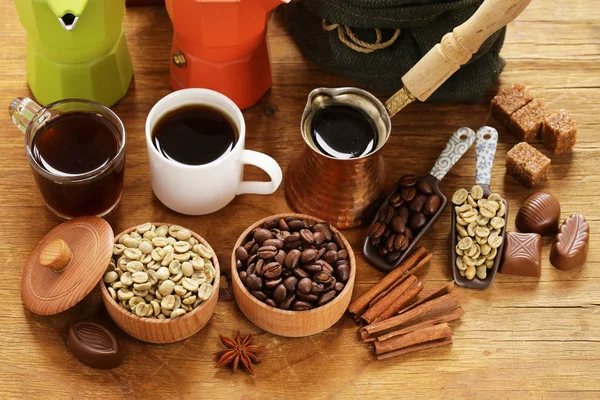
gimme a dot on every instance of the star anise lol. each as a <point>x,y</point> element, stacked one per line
<point>238,350</point>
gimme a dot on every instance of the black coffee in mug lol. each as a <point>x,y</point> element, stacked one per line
<point>195,134</point>
<point>343,132</point>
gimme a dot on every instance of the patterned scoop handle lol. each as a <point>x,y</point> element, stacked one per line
<point>458,145</point>
<point>485,150</point>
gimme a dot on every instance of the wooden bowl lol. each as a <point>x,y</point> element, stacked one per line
<point>284,322</point>
<point>165,330</point>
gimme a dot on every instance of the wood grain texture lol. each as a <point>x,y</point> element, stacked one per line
<point>291,323</point>
<point>523,338</point>
<point>166,330</point>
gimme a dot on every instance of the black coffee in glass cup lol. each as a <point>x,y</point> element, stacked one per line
<point>76,149</point>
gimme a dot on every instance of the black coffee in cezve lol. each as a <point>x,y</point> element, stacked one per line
<point>195,134</point>
<point>343,132</point>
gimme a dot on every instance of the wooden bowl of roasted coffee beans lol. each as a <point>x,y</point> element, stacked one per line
<point>162,283</point>
<point>292,274</point>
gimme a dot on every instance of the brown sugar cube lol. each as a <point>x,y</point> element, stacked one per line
<point>509,100</point>
<point>526,122</point>
<point>526,164</point>
<point>559,132</point>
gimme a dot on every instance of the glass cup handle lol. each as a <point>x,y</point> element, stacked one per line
<point>22,111</point>
<point>265,163</point>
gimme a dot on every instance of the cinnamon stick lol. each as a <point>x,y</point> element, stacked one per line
<point>446,317</point>
<point>372,313</point>
<point>434,294</point>
<point>417,347</point>
<point>359,305</point>
<point>436,332</point>
<point>402,301</point>
<point>410,272</point>
<point>436,306</point>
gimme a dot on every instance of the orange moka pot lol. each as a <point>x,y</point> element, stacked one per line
<point>221,45</point>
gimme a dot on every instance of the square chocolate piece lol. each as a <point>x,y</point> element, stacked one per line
<point>559,132</point>
<point>509,100</point>
<point>526,122</point>
<point>522,255</point>
<point>526,164</point>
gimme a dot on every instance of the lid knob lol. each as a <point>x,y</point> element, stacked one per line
<point>55,255</point>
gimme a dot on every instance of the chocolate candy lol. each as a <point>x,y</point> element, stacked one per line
<point>522,255</point>
<point>539,214</point>
<point>570,246</point>
<point>526,164</point>
<point>94,345</point>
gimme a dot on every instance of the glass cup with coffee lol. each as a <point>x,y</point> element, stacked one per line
<point>195,140</point>
<point>76,149</point>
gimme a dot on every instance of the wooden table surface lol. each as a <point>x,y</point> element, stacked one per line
<point>523,338</point>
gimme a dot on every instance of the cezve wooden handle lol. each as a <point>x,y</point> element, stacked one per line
<point>458,46</point>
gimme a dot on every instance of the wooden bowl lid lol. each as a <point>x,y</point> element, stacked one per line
<point>66,265</point>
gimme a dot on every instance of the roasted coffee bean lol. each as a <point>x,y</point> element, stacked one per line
<point>342,254</point>
<point>310,222</point>
<point>278,244</point>
<point>304,286</point>
<point>400,243</point>
<point>239,265</point>
<point>407,180</point>
<point>290,283</point>
<point>324,229</point>
<point>331,256</point>
<point>260,235</point>
<point>272,270</point>
<point>326,267</point>
<point>398,224</point>
<point>332,246</point>
<point>416,205</point>
<point>248,246</point>
<point>287,304</point>
<point>292,258</point>
<point>300,273</point>
<point>280,293</point>
<point>432,204</point>
<point>271,224</point>
<point>377,230</point>
<point>272,283</point>
<point>250,269</point>
<point>396,200</point>
<point>326,297</point>
<point>339,286</point>
<point>307,237</point>
<point>342,273</point>
<point>319,238</point>
<point>241,254</point>
<point>311,298</point>
<point>254,282</point>
<point>389,242</point>
<point>267,252</point>
<point>312,268</point>
<point>280,256</point>
<point>424,187</point>
<point>270,302</point>
<point>316,288</point>
<point>322,251</point>
<point>403,213</point>
<point>243,275</point>
<point>252,259</point>
<point>259,295</point>
<point>330,285</point>
<point>322,277</point>
<point>409,234</point>
<point>300,305</point>
<point>417,221</point>
<point>296,225</point>
<point>258,267</point>
<point>292,242</point>
<point>386,214</point>
<point>337,239</point>
<point>408,193</point>
<point>283,225</point>
<point>308,256</point>
<point>382,251</point>
<point>392,257</point>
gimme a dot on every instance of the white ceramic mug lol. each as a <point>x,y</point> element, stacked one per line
<point>203,189</point>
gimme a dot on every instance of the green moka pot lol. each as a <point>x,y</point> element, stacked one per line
<point>76,49</point>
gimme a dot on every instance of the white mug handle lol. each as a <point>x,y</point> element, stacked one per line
<point>267,164</point>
